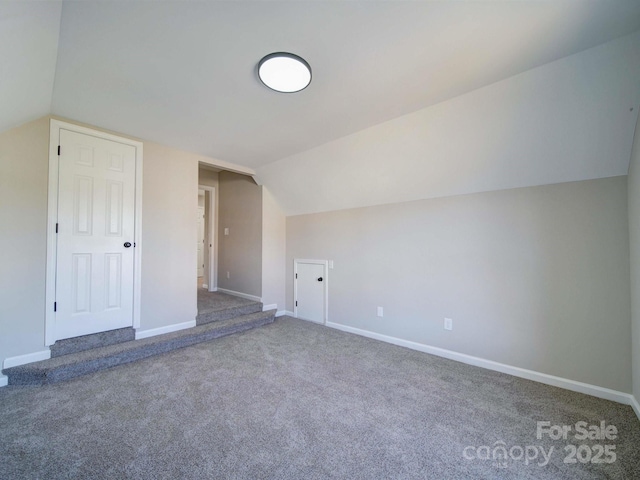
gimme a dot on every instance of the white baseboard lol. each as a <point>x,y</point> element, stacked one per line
<point>152,332</point>
<point>28,358</point>
<point>4,381</point>
<point>214,289</point>
<point>288,313</point>
<point>636,406</point>
<point>552,380</point>
<point>240,294</point>
<point>311,321</point>
<point>204,285</point>
<point>274,306</point>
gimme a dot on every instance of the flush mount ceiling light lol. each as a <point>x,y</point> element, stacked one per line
<point>284,72</point>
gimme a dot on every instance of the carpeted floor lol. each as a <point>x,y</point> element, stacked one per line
<point>211,301</point>
<point>295,400</point>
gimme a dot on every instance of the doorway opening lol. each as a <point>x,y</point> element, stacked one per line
<point>205,242</point>
<point>232,255</point>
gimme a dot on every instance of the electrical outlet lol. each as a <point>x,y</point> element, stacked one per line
<point>448,324</point>
<point>228,276</point>
<point>226,230</point>
<point>380,312</point>
<point>331,264</point>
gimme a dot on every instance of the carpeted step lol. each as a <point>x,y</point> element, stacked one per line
<point>89,361</point>
<point>95,340</point>
<point>227,312</point>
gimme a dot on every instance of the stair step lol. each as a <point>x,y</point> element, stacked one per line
<point>76,364</point>
<point>225,313</point>
<point>95,340</point>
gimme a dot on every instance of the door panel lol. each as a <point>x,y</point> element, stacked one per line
<point>113,214</point>
<point>310,291</point>
<point>94,273</point>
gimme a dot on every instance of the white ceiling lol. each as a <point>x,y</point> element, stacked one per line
<point>183,73</point>
<point>568,120</point>
<point>28,50</point>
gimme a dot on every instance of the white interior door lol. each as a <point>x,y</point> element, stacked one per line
<point>95,240</point>
<point>310,291</point>
<point>201,241</point>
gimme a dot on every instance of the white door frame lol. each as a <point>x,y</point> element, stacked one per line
<point>212,286</point>
<point>325,285</point>
<point>52,220</point>
<point>201,241</point>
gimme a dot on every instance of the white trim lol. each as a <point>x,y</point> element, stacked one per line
<point>636,406</point>
<point>137,267</point>
<point>152,332</point>
<point>231,167</point>
<point>4,381</point>
<point>552,380</point>
<point>289,313</point>
<point>240,294</point>
<point>325,265</point>
<point>281,313</point>
<point>28,358</point>
<point>273,306</point>
<point>52,217</point>
<point>212,238</point>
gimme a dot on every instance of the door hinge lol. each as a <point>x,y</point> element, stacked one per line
<point>56,228</point>
<point>58,150</point>
<point>55,306</point>
<point>296,303</point>
<point>296,275</point>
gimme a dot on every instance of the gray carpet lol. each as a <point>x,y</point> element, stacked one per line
<point>294,400</point>
<point>216,306</point>
<point>209,301</point>
<point>89,361</point>
<point>69,346</point>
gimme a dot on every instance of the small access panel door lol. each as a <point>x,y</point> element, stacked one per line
<point>310,290</point>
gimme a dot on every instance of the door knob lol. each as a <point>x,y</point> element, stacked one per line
<point>320,279</point>
<point>127,244</point>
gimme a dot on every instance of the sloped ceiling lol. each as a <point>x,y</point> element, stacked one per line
<point>568,120</point>
<point>28,50</point>
<point>182,73</point>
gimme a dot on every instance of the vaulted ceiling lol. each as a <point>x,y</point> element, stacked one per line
<point>182,73</point>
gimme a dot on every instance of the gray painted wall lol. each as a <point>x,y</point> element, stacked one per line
<point>169,235</point>
<point>634,244</point>
<point>240,252</point>
<point>24,153</point>
<point>536,277</point>
<point>274,236</point>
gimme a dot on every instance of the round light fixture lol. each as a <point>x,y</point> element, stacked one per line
<point>284,72</point>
